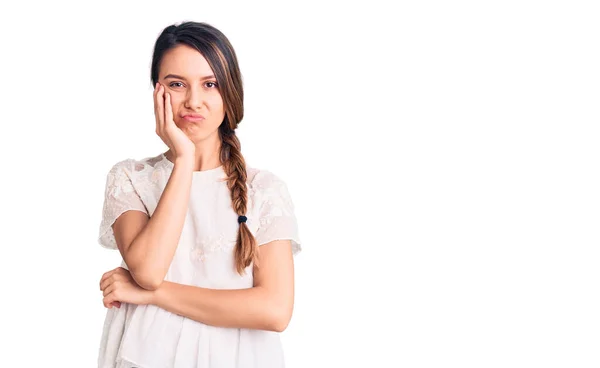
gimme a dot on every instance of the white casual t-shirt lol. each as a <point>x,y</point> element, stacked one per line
<point>146,336</point>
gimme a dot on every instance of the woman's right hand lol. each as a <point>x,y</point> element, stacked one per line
<point>177,141</point>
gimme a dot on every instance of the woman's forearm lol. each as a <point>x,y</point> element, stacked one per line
<point>254,308</point>
<point>151,252</point>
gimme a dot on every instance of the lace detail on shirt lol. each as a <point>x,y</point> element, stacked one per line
<point>277,219</point>
<point>152,161</point>
<point>157,175</point>
<point>119,196</point>
<point>207,245</point>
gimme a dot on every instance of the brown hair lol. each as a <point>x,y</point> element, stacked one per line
<point>221,57</point>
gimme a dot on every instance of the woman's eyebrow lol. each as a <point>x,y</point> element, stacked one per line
<point>175,76</point>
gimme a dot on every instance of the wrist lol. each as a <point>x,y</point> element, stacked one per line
<point>157,295</point>
<point>153,297</point>
<point>183,166</point>
<point>184,161</point>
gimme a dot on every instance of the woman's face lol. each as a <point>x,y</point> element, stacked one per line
<point>187,77</point>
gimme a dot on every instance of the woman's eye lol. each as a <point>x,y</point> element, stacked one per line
<point>171,85</point>
<point>213,83</point>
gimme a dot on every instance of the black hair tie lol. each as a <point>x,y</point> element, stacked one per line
<point>242,219</point>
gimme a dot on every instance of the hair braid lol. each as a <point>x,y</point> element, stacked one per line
<point>234,166</point>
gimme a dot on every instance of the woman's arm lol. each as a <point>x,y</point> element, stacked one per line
<point>267,305</point>
<point>147,244</point>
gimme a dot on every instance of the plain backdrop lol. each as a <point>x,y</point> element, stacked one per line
<point>442,157</point>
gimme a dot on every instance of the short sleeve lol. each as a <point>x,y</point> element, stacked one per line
<point>119,197</point>
<point>277,218</point>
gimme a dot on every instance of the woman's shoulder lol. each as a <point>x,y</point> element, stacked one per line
<point>137,164</point>
<point>269,191</point>
<point>263,179</point>
<point>136,169</point>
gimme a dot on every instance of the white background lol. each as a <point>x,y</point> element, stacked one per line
<point>442,156</point>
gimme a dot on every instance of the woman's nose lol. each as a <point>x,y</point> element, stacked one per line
<point>194,98</point>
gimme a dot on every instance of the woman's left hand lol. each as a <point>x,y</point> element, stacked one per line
<point>118,286</point>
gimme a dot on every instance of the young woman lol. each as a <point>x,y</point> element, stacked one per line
<point>207,278</point>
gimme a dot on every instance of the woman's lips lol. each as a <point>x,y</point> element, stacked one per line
<point>192,118</point>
